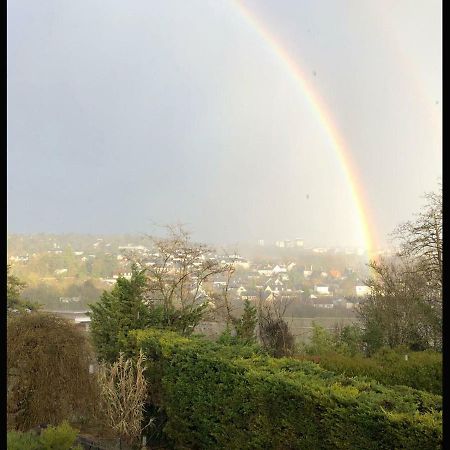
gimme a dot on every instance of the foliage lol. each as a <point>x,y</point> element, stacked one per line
<point>421,239</point>
<point>274,331</point>
<point>48,371</point>
<point>123,390</point>
<point>117,312</point>
<point>176,281</point>
<point>246,324</point>
<point>405,303</point>
<point>346,340</point>
<point>16,440</point>
<point>61,437</point>
<point>14,288</point>
<point>226,397</point>
<point>422,370</point>
<point>399,309</point>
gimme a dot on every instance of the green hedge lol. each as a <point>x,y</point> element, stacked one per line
<point>226,397</point>
<point>422,370</point>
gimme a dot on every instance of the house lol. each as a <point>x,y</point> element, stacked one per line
<point>265,272</point>
<point>307,272</point>
<point>278,269</point>
<point>69,299</point>
<point>251,295</point>
<point>322,290</point>
<point>326,303</point>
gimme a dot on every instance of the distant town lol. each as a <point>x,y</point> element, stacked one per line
<point>56,268</point>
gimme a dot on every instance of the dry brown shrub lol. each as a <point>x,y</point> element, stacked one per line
<point>48,378</point>
<point>123,390</point>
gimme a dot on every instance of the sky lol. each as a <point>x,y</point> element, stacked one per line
<point>123,115</point>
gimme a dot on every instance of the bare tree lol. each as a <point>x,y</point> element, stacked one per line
<point>274,331</point>
<point>400,310</point>
<point>123,392</point>
<point>176,278</point>
<point>421,239</point>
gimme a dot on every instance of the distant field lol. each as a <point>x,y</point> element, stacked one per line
<point>301,327</point>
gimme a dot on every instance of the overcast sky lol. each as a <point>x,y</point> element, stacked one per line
<point>122,114</point>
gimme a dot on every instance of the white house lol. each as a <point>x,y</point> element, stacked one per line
<point>279,269</point>
<point>322,290</point>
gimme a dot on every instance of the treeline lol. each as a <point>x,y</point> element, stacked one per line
<point>63,295</point>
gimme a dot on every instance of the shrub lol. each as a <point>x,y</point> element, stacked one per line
<point>226,397</point>
<point>15,440</point>
<point>422,370</point>
<point>62,437</point>
<point>48,371</point>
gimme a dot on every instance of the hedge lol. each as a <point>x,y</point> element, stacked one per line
<point>226,397</point>
<point>422,370</point>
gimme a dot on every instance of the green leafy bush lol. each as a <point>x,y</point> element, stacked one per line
<point>61,437</point>
<point>226,397</point>
<point>16,440</point>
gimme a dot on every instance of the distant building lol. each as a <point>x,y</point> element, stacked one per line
<point>322,290</point>
<point>323,303</point>
<point>69,299</point>
<point>278,269</point>
<point>362,290</point>
<point>261,242</point>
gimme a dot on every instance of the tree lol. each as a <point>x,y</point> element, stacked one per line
<point>245,326</point>
<point>48,378</point>
<point>274,331</point>
<point>421,239</point>
<point>176,279</point>
<point>123,392</point>
<point>119,311</point>
<point>398,310</point>
<point>14,288</point>
<point>405,303</point>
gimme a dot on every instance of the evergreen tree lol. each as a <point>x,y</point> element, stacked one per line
<point>245,326</point>
<point>117,312</point>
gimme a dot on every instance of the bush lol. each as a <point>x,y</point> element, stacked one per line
<point>48,371</point>
<point>62,437</point>
<point>15,440</point>
<point>422,370</point>
<point>226,397</point>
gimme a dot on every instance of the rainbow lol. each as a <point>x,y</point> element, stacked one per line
<point>336,139</point>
